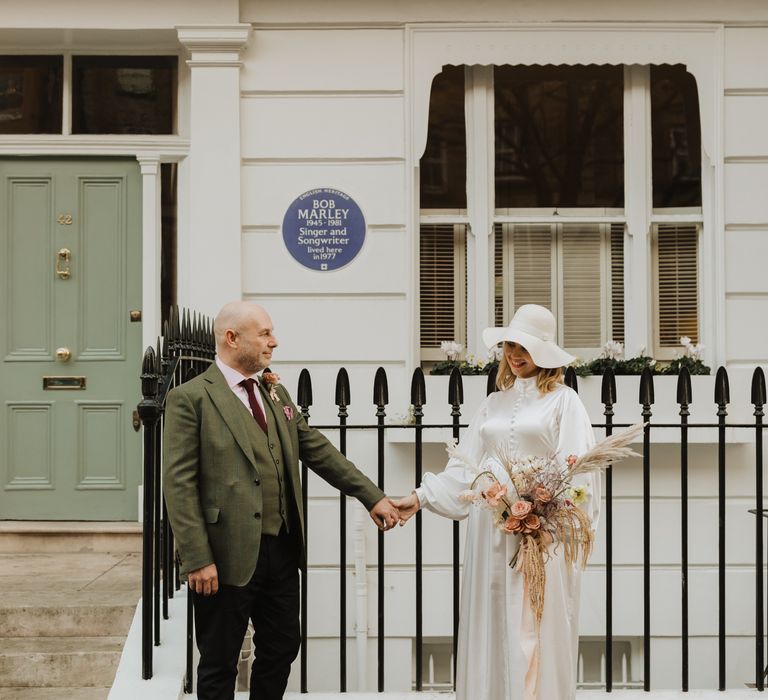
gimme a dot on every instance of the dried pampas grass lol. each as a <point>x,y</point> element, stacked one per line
<point>611,449</point>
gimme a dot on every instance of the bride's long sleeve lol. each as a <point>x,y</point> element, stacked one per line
<point>575,438</point>
<point>440,492</point>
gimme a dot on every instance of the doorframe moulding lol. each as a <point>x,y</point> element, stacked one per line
<point>150,153</point>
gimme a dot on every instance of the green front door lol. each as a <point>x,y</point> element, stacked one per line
<point>70,246</point>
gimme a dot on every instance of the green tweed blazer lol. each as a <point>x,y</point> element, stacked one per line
<point>213,451</point>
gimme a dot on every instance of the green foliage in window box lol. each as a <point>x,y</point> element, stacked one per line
<point>694,366</point>
<point>611,357</point>
<point>465,367</point>
<point>636,365</point>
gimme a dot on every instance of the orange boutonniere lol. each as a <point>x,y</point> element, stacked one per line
<point>271,380</point>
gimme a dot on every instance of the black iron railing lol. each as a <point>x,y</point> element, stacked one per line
<point>187,348</point>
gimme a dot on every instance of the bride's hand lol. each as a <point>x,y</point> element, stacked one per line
<point>407,506</point>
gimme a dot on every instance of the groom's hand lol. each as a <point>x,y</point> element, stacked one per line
<point>408,507</point>
<point>204,581</point>
<point>385,514</point>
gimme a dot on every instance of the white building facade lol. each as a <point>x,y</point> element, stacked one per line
<point>423,114</point>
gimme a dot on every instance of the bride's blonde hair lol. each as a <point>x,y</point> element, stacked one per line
<point>547,379</point>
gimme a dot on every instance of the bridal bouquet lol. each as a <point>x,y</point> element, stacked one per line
<point>540,505</point>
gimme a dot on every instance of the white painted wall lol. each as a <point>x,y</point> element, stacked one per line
<point>746,184</point>
<point>140,14</point>
<point>336,12</point>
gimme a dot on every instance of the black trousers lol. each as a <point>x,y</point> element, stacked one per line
<point>271,601</point>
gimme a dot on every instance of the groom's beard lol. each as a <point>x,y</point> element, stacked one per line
<point>249,362</point>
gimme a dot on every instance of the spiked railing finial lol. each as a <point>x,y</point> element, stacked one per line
<point>608,388</point>
<point>684,389</point>
<point>455,388</point>
<point>304,392</point>
<point>342,388</point>
<point>380,388</point>
<point>418,388</point>
<point>646,397</point>
<point>722,388</point>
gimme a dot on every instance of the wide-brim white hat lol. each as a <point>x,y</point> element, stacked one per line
<point>534,327</point>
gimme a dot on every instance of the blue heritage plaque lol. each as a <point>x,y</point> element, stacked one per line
<point>324,229</point>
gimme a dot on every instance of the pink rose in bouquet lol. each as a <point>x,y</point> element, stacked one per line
<point>531,522</point>
<point>542,494</point>
<point>513,525</point>
<point>494,494</point>
<point>520,509</point>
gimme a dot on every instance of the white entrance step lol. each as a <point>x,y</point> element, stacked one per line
<point>61,662</point>
<point>70,591</point>
<point>21,536</point>
<point>55,693</point>
<point>65,613</point>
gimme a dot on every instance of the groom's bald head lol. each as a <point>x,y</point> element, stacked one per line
<point>244,336</point>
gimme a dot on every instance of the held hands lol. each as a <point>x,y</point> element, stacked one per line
<point>408,506</point>
<point>385,514</point>
<point>204,581</point>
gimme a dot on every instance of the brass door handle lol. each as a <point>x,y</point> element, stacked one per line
<point>62,263</point>
<point>63,354</point>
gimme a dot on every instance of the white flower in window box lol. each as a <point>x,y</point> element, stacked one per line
<point>451,348</point>
<point>613,350</point>
<point>692,350</point>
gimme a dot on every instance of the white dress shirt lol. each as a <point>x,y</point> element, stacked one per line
<point>234,378</point>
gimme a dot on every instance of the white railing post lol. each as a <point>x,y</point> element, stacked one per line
<point>361,599</point>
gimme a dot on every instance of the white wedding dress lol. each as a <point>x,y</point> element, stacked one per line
<point>496,640</point>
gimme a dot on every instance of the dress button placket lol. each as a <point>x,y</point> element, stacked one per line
<point>513,423</point>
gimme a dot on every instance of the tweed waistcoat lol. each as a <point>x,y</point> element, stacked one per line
<point>274,486</point>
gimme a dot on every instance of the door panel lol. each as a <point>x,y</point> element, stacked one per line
<point>31,454</point>
<point>70,453</point>
<point>100,433</point>
<point>103,251</point>
<point>28,284</point>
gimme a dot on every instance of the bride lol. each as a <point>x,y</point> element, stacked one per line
<point>502,653</point>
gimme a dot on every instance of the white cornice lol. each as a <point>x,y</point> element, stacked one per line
<point>214,38</point>
<point>164,148</point>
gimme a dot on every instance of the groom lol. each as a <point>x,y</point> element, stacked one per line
<point>233,492</point>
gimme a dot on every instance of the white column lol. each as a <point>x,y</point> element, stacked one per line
<point>480,168</point>
<point>712,294</point>
<point>209,244</point>
<point>637,208</point>
<point>150,249</point>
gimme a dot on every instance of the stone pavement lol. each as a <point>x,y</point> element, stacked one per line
<point>69,592</point>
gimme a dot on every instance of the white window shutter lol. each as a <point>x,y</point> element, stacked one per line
<point>532,258</point>
<point>442,263</point>
<point>677,283</point>
<point>582,294</point>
